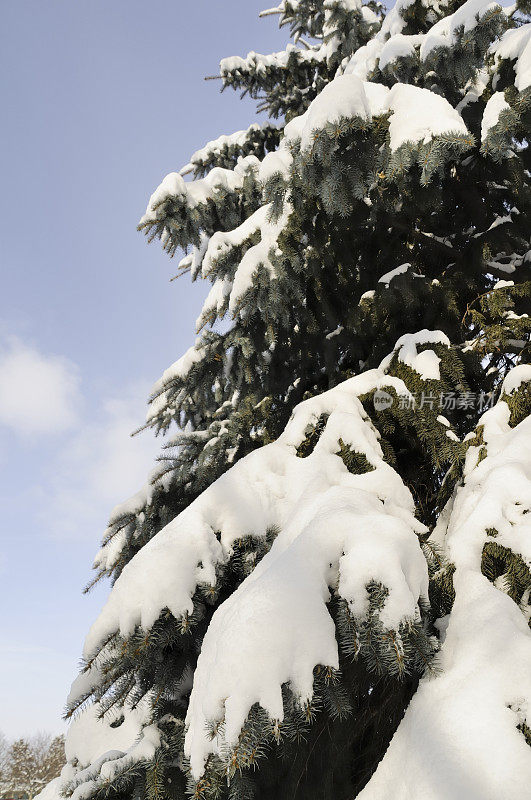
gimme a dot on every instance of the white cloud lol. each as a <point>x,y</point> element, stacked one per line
<point>39,394</point>
<point>99,466</point>
<point>95,464</point>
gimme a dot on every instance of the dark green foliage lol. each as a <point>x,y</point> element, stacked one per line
<point>312,437</point>
<point>354,462</point>
<point>499,562</point>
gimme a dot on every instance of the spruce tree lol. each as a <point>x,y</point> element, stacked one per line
<point>324,589</point>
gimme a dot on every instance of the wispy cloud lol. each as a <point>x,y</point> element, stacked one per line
<point>92,463</point>
<point>98,466</point>
<point>39,394</point>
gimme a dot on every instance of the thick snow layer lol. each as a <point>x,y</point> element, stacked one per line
<point>459,736</point>
<point>96,751</point>
<point>193,193</point>
<point>285,598</point>
<point>89,737</point>
<point>515,45</point>
<point>417,115</point>
<point>426,363</point>
<point>517,376</point>
<point>260,491</point>
<point>443,33</point>
<point>344,97</point>
<point>276,628</point>
<point>398,46</point>
<point>495,105</point>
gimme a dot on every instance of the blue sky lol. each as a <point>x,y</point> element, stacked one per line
<point>100,100</point>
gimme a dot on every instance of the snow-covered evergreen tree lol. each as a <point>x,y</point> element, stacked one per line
<point>28,765</point>
<point>324,591</point>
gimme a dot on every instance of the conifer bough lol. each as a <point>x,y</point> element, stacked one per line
<point>323,591</point>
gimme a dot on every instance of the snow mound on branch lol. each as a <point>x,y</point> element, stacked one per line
<point>390,44</point>
<point>344,97</point>
<point>459,736</point>
<point>518,375</point>
<point>398,46</point>
<point>216,146</point>
<point>388,277</point>
<point>426,363</point>
<point>89,737</point>
<point>416,115</point>
<point>495,105</point>
<point>269,487</point>
<point>260,63</point>
<point>192,193</point>
<point>226,292</point>
<point>276,627</point>
<point>98,749</point>
<point>515,45</point>
<point>443,33</point>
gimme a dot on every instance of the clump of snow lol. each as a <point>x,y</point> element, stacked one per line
<point>515,45</point>
<point>495,105</point>
<point>257,255</point>
<point>398,46</point>
<point>426,363</point>
<point>419,115</point>
<point>216,146</point>
<point>502,285</point>
<point>394,22</point>
<point>97,749</point>
<point>388,277</point>
<point>89,737</point>
<point>416,115</point>
<point>277,162</point>
<point>365,59</point>
<point>193,193</point>
<point>344,97</point>
<point>443,33</point>
<point>515,378</point>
